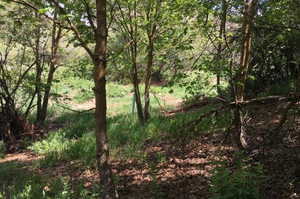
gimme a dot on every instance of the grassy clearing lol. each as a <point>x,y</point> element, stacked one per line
<point>126,136</point>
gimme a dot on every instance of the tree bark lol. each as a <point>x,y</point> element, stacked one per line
<point>102,153</point>
<point>249,13</point>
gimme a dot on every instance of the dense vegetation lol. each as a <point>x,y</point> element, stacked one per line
<point>149,99</point>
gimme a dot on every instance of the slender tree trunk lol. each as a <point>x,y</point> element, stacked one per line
<point>136,90</point>
<point>148,79</point>
<point>38,77</point>
<point>44,108</point>
<point>134,53</point>
<point>249,13</point>
<point>103,161</point>
<point>151,33</point>
<point>55,40</point>
<point>220,45</point>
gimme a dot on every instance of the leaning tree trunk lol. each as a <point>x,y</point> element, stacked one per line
<point>44,108</point>
<point>102,153</point>
<point>56,36</point>
<point>249,13</point>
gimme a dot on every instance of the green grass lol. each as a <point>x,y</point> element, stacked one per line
<point>76,141</point>
<point>83,89</point>
<point>75,89</point>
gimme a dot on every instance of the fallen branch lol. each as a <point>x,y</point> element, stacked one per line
<point>264,100</point>
<point>192,124</point>
<point>204,102</point>
<point>267,100</point>
<point>218,100</point>
<point>76,111</point>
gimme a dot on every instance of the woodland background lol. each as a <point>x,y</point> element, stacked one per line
<point>149,99</point>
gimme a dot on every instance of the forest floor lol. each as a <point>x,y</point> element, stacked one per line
<point>180,167</point>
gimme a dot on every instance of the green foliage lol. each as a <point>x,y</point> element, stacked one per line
<point>79,90</point>
<point>117,90</point>
<point>241,182</point>
<point>19,183</point>
<point>81,68</point>
<point>57,148</point>
<point>198,83</point>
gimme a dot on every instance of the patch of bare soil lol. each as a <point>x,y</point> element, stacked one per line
<point>23,157</point>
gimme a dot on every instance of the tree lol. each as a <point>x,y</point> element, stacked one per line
<point>88,22</point>
<point>148,28</point>
<point>247,31</point>
<point>100,93</point>
<point>127,21</point>
<point>15,67</point>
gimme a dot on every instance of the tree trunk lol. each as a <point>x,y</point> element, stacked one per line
<point>135,79</point>
<point>56,36</point>
<point>151,33</point>
<point>102,153</point>
<point>249,13</point>
<point>148,79</point>
<point>220,45</point>
<point>44,108</point>
<point>137,95</point>
<point>38,77</point>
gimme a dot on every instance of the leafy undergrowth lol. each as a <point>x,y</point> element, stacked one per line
<point>167,158</point>
<point>168,169</point>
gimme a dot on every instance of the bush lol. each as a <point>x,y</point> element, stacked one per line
<point>241,182</point>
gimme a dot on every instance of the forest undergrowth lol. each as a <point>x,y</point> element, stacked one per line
<point>167,158</point>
